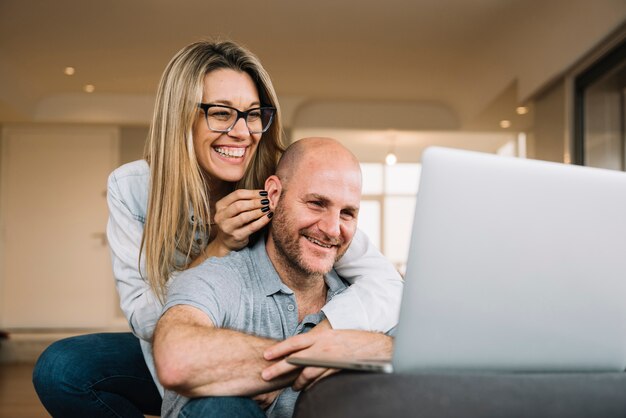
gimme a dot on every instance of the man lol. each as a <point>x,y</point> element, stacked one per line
<point>221,321</point>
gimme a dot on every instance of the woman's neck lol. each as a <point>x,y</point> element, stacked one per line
<point>218,189</point>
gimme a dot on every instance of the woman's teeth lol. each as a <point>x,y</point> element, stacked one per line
<point>230,152</point>
<point>316,242</point>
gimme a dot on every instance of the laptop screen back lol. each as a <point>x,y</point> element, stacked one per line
<point>514,265</point>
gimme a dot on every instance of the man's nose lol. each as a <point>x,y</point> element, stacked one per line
<point>330,224</point>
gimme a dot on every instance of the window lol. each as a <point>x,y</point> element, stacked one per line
<point>600,115</point>
<point>386,215</point>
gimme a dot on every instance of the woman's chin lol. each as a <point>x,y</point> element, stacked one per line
<point>227,172</point>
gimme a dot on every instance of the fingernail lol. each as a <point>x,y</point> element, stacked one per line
<point>263,193</point>
<point>265,209</point>
<point>269,215</point>
<point>265,201</point>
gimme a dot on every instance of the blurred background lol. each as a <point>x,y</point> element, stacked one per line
<point>541,79</point>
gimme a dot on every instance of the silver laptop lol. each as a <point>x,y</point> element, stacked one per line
<point>514,265</point>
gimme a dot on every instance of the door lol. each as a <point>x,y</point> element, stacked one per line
<point>55,265</point>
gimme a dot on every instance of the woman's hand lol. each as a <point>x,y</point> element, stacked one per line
<point>237,216</point>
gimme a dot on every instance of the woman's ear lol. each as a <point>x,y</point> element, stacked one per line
<point>274,188</point>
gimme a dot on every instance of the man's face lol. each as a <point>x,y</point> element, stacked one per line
<point>316,217</point>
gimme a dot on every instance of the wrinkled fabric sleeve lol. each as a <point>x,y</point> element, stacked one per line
<point>210,287</point>
<point>124,231</point>
<point>372,302</point>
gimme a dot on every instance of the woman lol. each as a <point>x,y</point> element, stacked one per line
<point>215,137</point>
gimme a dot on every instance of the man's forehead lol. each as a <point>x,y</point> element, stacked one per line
<point>339,187</point>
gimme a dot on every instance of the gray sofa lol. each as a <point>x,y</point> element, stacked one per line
<point>430,395</point>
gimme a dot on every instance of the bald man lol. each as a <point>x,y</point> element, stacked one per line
<point>216,341</point>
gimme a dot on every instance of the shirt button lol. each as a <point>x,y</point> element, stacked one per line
<point>290,307</point>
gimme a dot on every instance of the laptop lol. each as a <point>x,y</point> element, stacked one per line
<point>514,265</point>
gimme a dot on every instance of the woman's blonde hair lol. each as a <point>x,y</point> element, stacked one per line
<point>178,186</point>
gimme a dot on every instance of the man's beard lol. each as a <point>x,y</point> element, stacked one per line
<point>289,249</point>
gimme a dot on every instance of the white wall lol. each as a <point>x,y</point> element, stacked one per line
<point>373,145</point>
<point>56,270</point>
<point>549,138</point>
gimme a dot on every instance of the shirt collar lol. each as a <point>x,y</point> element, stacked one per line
<point>335,284</point>
<point>267,273</point>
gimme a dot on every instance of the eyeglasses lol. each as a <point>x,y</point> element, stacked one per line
<point>221,118</point>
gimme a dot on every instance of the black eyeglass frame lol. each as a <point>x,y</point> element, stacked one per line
<point>240,114</point>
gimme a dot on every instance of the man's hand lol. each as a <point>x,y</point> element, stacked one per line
<point>325,343</point>
<point>265,399</point>
<point>308,375</point>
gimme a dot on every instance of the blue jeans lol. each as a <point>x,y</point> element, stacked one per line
<point>218,407</point>
<point>96,375</point>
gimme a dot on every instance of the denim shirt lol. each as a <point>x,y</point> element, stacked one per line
<point>372,302</point>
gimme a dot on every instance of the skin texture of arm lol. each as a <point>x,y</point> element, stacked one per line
<point>372,303</point>
<point>195,359</point>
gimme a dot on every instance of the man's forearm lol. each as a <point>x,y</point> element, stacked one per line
<point>197,359</point>
<point>232,365</point>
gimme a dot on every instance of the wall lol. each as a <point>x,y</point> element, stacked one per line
<point>1,225</point>
<point>55,259</point>
<point>547,140</point>
<point>132,141</point>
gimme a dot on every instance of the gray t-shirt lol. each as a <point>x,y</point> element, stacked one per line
<point>243,292</point>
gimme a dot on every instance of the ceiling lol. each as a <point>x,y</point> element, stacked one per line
<point>454,54</point>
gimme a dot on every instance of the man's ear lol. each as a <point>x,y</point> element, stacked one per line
<point>274,188</point>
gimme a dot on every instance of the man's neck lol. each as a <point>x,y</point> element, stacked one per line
<point>309,289</point>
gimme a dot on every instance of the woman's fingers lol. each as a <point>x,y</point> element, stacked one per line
<point>242,219</point>
<point>241,227</point>
<point>241,194</point>
<point>223,212</point>
<point>240,214</point>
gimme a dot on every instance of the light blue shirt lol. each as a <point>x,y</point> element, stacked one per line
<point>243,292</point>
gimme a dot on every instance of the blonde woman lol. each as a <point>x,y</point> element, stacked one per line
<point>215,137</point>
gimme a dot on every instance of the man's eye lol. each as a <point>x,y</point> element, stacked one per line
<point>347,215</point>
<point>316,203</point>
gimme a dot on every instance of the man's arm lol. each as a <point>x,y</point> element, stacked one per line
<point>194,358</point>
<point>324,343</point>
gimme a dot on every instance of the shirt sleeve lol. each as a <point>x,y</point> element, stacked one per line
<point>124,232</point>
<point>211,287</point>
<point>372,302</point>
